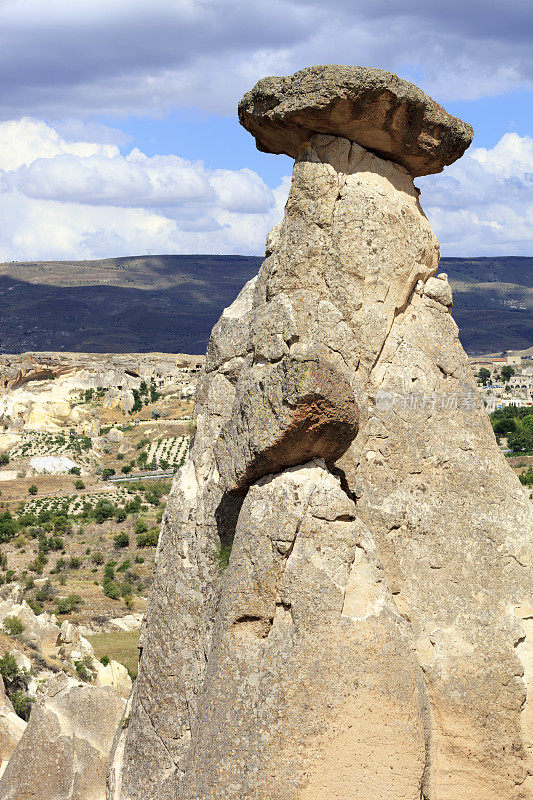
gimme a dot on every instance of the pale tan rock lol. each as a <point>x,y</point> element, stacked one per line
<point>440,290</point>
<point>114,675</point>
<point>41,631</point>
<point>11,728</point>
<point>64,750</point>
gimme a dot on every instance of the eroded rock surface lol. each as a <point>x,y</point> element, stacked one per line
<point>370,635</point>
<point>11,728</point>
<point>372,107</point>
<point>65,747</point>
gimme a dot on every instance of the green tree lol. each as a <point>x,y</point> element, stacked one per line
<point>484,375</point>
<point>504,426</point>
<point>33,489</point>
<point>137,402</point>
<point>8,527</point>
<point>507,372</point>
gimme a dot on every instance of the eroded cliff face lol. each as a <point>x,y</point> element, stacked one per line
<point>369,637</point>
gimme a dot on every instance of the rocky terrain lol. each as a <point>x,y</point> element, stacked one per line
<point>88,447</point>
<point>59,705</point>
<point>170,303</point>
<point>342,600</point>
<point>340,575</point>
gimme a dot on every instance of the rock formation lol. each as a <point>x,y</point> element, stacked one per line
<point>11,728</point>
<point>371,636</point>
<point>64,750</point>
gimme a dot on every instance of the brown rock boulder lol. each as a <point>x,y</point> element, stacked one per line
<point>375,108</point>
<point>292,412</point>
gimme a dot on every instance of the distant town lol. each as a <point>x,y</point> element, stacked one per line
<point>505,380</point>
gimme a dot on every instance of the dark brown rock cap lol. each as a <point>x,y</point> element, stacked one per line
<point>375,108</point>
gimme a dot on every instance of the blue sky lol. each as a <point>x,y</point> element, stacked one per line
<point>119,133</point>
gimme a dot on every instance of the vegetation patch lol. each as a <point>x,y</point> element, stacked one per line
<point>119,646</point>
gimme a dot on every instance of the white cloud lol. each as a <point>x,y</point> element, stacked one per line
<point>64,199</point>
<point>83,199</point>
<point>23,141</point>
<point>483,204</point>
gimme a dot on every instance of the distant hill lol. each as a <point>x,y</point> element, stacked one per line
<point>170,303</point>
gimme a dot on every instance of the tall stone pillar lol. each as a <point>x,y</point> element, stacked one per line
<point>370,636</point>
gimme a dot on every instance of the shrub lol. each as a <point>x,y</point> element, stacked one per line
<point>33,489</point>
<point>148,539</point>
<point>141,526</point>
<point>126,589</point>
<point>74,562</point>
<point>13,626</point>
<point>74,471</point>
<point>121,515</point>
<point>4,459</point>
<point>121,540</point>
<point>55,543</point>
<point>222,556</point>
<point>67,604</point>
<point>133,506</point>
<point>35,606</point>
<point>60,564</point>
<point>84,668</point>
<point>124,566</point>
<point>109,569</point>
<point>62,524</point>
<point>152,498</point>
<point>107,473</point>
<point>46,592</point>
<point>111,589</point>
<point>97,558</point>
<point>139,560</point>
<point>38,564</point>
<point>8,527</point>
<point>103,510</point>
<point>526,478</point>
<point>21,704</point>
<point>8,668</point>
<point>79,484</point>
<point>105,660</point>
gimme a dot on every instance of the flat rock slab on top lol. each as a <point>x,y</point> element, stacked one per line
<point>375,108</point>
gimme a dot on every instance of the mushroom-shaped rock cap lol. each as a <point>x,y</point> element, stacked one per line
<point>376,109</point>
